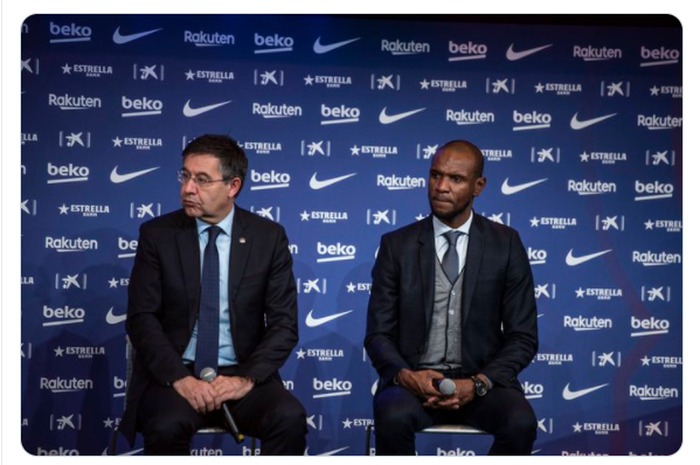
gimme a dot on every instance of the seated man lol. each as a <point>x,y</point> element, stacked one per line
<point>212,288</point>
<point>452,297</point>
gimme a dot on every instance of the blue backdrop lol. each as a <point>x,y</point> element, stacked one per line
<point>581,128</point>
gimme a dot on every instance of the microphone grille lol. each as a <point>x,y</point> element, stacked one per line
<point>207,374</point>
<point>447,387</point>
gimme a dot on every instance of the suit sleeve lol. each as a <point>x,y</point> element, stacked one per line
<point>519,319</point>
<point>280,302</point>
<point>143,321</point>
<point>381,340</point>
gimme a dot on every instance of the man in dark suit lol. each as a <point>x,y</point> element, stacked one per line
<point>452,297</point>
<point>212,280</point>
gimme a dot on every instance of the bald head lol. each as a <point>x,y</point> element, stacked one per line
<point>464,146</point>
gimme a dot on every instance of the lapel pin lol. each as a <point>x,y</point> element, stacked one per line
<point>242,240</point>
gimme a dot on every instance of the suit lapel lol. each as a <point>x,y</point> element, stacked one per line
<point>188,247</point>
<point>475,252</point>
<point>427,268</point>
<point>240,250</point>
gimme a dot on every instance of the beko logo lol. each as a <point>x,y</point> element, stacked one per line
<point>273,44</point>
<point>331,388</point>
<point>335,252</point>
<point>141,107</point>
<point>397,47</point>
<point>209,39</point>
<point>536,256</point>
<point>649,326</point>
<point>531,121</point>
<point>69,33</point>
<point>269,180</point>
<point>339,115</point>
<point>70,102</point>
<point>67,173</point>
<point>468,51</point>
<point>659,56</point>
<point>652,190</point>
<point>533,390</point>
<point>65,315</point>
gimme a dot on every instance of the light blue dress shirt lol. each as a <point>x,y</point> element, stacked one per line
<point>227,354</point>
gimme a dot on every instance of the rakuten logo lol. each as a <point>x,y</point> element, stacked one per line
<point>141,107</point>
<point>332,388</point>
<point>335,252</point>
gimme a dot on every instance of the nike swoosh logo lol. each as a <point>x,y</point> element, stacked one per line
<point>388,119</point>
<point>315,184</point>
<point>117,178</point>
<point>113,319</point>
<point>510,190</point>
<point>120,39</point>
<point>333,452</point>
<point>312,322</point>
<point>512,55</point>
<point>188,111</point>
<point>573,261</point>
<point>576,124</point>
<point>571,395</point>
<point>319,49</point>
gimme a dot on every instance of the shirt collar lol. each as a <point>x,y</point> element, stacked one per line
<point>441,228</point>
<point>224,224</point>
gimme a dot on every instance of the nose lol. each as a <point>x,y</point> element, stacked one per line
<point>189,187</point>
<point>442,184</point>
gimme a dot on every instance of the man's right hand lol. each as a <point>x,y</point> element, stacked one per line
<point>200,394</point>
<point>421,384</point>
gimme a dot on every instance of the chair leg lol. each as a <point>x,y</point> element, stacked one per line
<point>368,439</point>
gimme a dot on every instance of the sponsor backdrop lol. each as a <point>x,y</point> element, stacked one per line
<point>581,129</point>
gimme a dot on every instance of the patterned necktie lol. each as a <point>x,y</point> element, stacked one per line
<point>450,262</point>
<point>208,326</point>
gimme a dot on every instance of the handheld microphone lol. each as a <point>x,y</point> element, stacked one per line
<point>208,374</point>
<point>446,386</point>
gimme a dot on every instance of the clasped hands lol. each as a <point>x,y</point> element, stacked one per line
<point>206,396</point>
<point>421,383</point>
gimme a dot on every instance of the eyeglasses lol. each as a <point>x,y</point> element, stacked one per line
<point>201,181</point>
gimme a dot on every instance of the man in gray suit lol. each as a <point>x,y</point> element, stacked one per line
<point>452,297</point>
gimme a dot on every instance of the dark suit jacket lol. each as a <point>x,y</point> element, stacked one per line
<point>164,293</point>
<point>499,316</point>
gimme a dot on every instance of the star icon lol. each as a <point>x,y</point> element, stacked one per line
<point>189,76</point>
<point>419,217</point>
<point>117,142</point>
<point>113,283</point>
<point>654,91</point>
<point>108,423</point>
<point>645,361</point>
<point>648,225</point>
<point>577,427</point>
<point>308,81</point>
<point>64,209</point>
<point>579,293</point>
<point>539,88</point>
<point>534,223</point>
<point>58,351</point>
<point>424,84</point>
<point>305,216</point>
<point>355,150</point>
<point>351,287</point>
<point>584,157</point>
<point>66,68</point>
<point>347,423</point>
<point>301,353</point>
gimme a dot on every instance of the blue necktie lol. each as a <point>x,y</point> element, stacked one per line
<point>450,261</point>
<point>208,327</point>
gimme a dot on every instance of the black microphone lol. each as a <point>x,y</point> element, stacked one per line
<point>446,386</point>
<point>208,374</point>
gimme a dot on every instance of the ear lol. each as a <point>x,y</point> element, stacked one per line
<point>479,186</point>
<point>234,188</point>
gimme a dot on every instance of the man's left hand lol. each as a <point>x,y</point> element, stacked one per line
<point>231,387</point>
<point>464,393</point>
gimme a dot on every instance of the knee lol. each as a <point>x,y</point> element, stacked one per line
<point>521,424</point>
<point>395,413</point>
<point>291,419</point>
<point>168,429</point>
